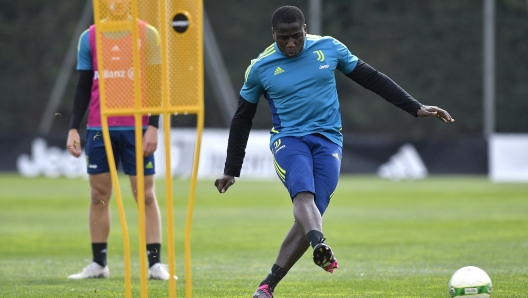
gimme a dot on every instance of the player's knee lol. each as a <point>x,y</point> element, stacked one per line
<point>100,193</point>
<point>100,199</point>
<point>304,196</point>
<point>100,187</point>
<point>150,198</point>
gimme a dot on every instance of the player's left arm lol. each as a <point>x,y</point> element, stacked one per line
<point>371,79</point>
<point>150,140</point>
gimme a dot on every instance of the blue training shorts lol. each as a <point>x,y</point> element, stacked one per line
<point>124,149</point>
<point>309,163</point>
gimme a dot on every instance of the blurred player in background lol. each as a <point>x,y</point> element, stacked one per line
<point>120,83</point>
<point>296,76</point>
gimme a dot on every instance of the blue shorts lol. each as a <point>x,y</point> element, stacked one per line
<point>123,147</point>
<point>309,163</point>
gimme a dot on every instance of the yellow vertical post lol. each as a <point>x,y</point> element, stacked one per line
<point>167,137</point>
<point>199,129</point>
<point>184,59</point>
<point>170,206</point>
<point>180,42</point>
<point>140,174</point>
<point>99,16</point>
<point>190,208</point>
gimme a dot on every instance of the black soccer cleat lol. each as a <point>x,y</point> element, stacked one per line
<point>324,257</point>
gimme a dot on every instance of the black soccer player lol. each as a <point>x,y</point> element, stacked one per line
<point>296,76</point>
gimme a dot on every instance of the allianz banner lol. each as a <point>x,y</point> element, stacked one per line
<point>39,156</point>
<point>33,156</point>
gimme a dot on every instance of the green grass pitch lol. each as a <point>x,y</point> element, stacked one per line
<point>392,239</point>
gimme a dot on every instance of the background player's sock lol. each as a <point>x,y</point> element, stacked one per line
<point>314,237</point>
<point>153,253</point>
<point>274,277</point>
<point>99,253</point>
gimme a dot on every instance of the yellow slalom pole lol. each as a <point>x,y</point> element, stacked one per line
<point>140,173</point>
<point>169,206</point>
<point>190,206</point>
<point>171,250</point>
<point>199,129</point>
<point>120,206</point>
<point>140,192</point>
<point>111,160</point>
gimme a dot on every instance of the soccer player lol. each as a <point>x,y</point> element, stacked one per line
<point>119,82</point>
<point>296,76</point>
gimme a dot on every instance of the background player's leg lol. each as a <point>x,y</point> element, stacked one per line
<point>153,229</point>
<point>99,223</point>
<point>99,213</point>
<point>152,212</point>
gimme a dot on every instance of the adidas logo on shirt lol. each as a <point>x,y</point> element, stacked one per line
<point>278,71</point>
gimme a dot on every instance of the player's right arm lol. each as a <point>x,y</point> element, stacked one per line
<point>82,95</point>
<point>80,104</point>
<point>236,146</point>
<point>240,128</point>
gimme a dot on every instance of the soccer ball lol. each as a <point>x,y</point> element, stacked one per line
<point>470,281</point>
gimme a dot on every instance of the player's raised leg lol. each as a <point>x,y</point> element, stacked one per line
<point>292,162</point>
<point>99,223</point>
<point>307,216</point>
<point>326,157</point>
<point>311,193</point>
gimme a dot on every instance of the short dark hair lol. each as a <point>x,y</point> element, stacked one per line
<point>287,15</point>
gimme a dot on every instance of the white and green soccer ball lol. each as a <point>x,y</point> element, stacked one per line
<point>470,281</point>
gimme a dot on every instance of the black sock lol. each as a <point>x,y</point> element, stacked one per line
<point>274,277</point>
<point>314,237</point>
<point>99,253</point>
<point>153,253</point>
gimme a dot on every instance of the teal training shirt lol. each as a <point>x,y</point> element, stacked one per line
<point>301,91</point>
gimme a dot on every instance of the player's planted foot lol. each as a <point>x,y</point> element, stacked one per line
<point>160,272</point>
<point>324,257</point>
<point>263,291</point>
<point>93,270</point>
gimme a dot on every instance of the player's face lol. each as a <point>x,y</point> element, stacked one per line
<point>118,8</point>
<point>290,38</point>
